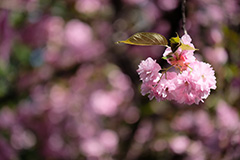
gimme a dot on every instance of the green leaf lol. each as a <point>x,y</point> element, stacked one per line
<point>175,39</point>
<point>175,42</point>
<point>187,47</point>
<point>174,47</point>
<point>146,39</point>
<point>168,56</point>
<point>165,58</point>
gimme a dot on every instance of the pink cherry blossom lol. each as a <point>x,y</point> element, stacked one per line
<point>204,74</point>
<point>227,116</point>
<point>186,39</point>
<point>179,144</point>
<point>216,56</point>
<point>148,71</point>
<point>147,88</point>
<point>191,85</point>
<point>180,59</point>
<point>166,86</point>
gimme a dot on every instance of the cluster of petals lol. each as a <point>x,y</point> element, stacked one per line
<point>189,84</point>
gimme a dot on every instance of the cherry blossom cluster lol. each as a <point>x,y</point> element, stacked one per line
<point>189,83</point>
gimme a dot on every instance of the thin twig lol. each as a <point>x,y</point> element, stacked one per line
<point>164,72</point>
<point>184,16</point>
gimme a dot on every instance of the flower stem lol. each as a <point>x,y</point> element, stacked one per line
<point>184,16</point>
<point>165,71</point>
<point>190,68</point>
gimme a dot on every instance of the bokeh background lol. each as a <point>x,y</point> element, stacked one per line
<point>68,92</point>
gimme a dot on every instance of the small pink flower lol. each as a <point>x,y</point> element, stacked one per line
<point>179,144</point>
<point>185,91</point>
<point>204,74</point>
<point>180,59</point>
<point>104,102</point>
<point>148,71</point>
<point>216,56</point>
<point>166,86</point>
<point>194,84</point>
<point>161,89</point>
<point>73,29</point>
<point>227,117</point>
<point>147,88</point>
<point>186,39</point>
